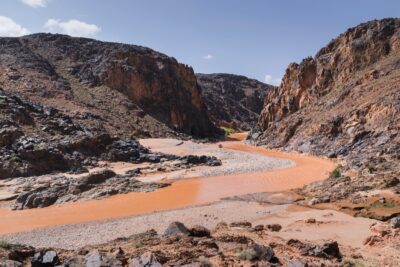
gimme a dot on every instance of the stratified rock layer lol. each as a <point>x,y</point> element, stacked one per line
<point>233,101</point>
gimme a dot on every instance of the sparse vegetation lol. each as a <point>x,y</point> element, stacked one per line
<point>335,173</point>
<point>5,244</point>
<point>247,254</point>
<point>228,131</point>
<point>385,205</point>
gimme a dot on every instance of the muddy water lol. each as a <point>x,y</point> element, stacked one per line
<point>180,194</point>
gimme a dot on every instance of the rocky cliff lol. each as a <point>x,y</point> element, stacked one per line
<point>344,103</point>
<point>233,101</point>
<point>128,89</point>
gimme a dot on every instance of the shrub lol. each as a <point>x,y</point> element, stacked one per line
<point>227,130</point>
<point>335,173</point>
<point>5,244</point>
<point>247,254</point>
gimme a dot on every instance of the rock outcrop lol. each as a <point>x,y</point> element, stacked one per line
<point>37,140</point>
<point>344,96</point>
<point>233,101</point>
<point>128,89</point>
<point>344,102</point>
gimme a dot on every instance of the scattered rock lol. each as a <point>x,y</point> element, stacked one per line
<point>311,220</point>
<point>242,224</point>
<point>327,250</point>
<point>45,259</point>
<point>274,227</point>
<point>147,259</point>
<point>296,263</point>
<point>199,231</point>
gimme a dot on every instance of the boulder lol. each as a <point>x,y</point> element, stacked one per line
<point>395,222</point>
<point>274,227</point>
<point>95,259</point>
<point>45,259</point>
<point>329,250</point>
<point>296,263</point>
<point>199,231</point>
<point>176,228</point>
<point>147,259</point>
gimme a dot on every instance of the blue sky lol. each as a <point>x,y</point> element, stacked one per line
<point>256,38</point>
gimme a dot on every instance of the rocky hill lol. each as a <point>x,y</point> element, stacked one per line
<point>125,88</point>
<point>343,103</point>
<point>233,101</point>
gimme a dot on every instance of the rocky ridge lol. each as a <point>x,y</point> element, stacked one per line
<point>343,103</point>
<point>233,101</point>
<point>128,89</point>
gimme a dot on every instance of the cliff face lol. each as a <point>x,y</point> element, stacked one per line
<point>346,94</point>
<point>233,101</point>
<point>131,89</point>
<point>344,103</point>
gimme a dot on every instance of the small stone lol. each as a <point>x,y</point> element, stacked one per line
<point>259,228</point>
<point>311,220</point>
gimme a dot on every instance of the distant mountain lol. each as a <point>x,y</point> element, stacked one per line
<point>233,101</point>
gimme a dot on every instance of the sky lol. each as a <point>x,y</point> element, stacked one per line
<point>255,38</point>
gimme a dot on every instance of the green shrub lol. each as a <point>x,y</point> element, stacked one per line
<point>335,173</point>
<point>227,130</point>
<point>5,244</point>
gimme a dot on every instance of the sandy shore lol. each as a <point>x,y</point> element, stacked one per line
<point>347,230</point>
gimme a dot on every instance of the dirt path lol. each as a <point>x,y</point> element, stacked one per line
<point>182,193</point>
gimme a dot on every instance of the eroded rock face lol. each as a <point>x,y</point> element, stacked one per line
<point>343,103</point>
<point>233,101</point>
<point>333,69</point>
<point>130,88</point>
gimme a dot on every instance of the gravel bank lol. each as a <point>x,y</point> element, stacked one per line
<point>233,162</point>
<point>78,235</point>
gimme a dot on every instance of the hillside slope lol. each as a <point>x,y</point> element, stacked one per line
<point>233,101</point>
<point>125,88</point>
<point>344,103</point>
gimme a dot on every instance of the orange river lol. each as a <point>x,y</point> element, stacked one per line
<point>182,193</point>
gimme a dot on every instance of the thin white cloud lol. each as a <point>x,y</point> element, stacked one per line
<point>208,57</point>
<point>271,80</point>
<point>35,3</point>
<point>72,27</point>
<point>9,28</point>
